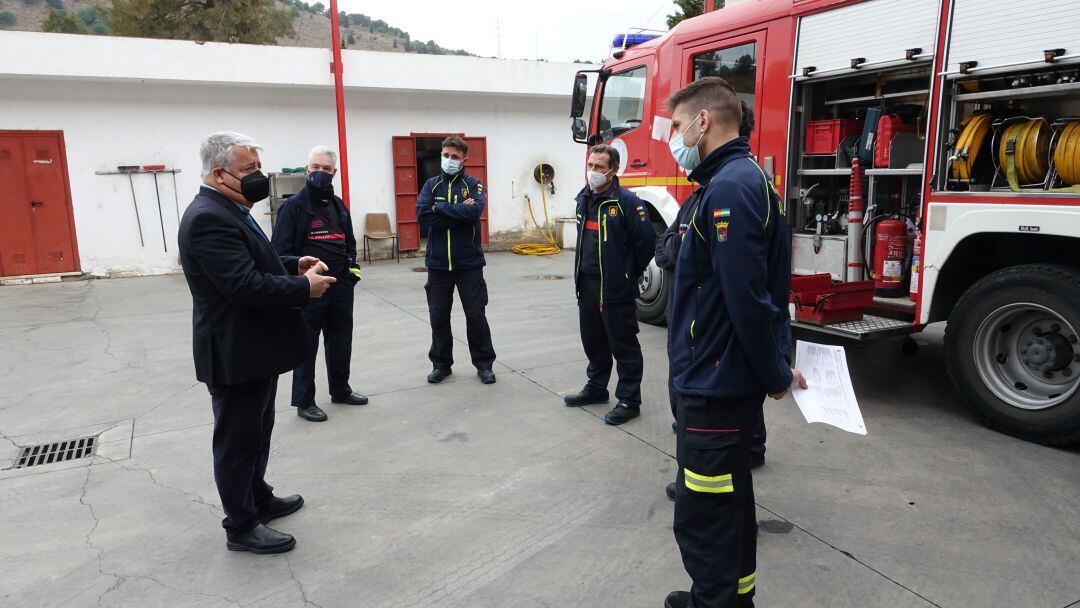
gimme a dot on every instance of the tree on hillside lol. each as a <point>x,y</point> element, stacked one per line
<point>688,9</point>
<point>60,22</point>
<point>246,21</point>
<point>7,18</point>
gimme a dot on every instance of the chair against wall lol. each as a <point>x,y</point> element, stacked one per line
<point>377,228</point>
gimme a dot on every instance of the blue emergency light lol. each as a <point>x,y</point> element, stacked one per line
<point>631,39</point>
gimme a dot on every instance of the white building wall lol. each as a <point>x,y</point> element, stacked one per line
<point>133,113</point>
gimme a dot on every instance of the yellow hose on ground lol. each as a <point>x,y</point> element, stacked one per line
<point>548,248</point>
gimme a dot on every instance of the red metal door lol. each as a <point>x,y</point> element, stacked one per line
<point>405,193</point>
<point>37,235</point>
<point>476,166</point>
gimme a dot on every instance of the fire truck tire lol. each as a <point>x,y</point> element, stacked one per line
<point>653,290</point>
<point>1012,348</point>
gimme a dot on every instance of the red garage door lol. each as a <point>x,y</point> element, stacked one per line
<point>415,160</point>
<point>37,235</point>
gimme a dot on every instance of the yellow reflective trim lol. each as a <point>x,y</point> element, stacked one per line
<point>709,490</point>
<point>680,180</point>
<point>692,327</point>
<point>706,478</point>
<point>747,584</point>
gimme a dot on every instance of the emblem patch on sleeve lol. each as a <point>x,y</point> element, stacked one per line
<point>721,220</point>
<point>479,188</point>
<point>613,211</point>
<point>641,212</point>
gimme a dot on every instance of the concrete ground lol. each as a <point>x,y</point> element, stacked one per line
<point>491,496</point>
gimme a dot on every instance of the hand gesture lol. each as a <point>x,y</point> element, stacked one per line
<point>305,263</point>
<point>317,283</point>
<point>470,201</point>
<point>797,379</point>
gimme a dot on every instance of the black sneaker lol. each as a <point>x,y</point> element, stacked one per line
<point>670,491</point>
<point>486,376</point>
<point>674,427</point>
<point>438,375</point>
<point>677,599</point>
<point>621,413</point>
<point>585,397</point>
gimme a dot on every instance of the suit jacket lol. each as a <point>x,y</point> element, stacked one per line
<point>247,321</point>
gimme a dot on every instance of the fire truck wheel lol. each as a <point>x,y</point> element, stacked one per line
<point>1013,352</point>
<point>653,290</point>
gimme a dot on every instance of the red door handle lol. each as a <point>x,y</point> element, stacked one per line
<point>36,203</point>
<point>638,164</point>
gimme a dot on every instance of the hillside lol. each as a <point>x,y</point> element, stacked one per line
<point>310,29</point>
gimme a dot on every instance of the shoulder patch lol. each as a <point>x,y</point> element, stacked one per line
<point>641,212</point>
<point>479,188</point>
<point>613,211</point>
<point>721,221</point>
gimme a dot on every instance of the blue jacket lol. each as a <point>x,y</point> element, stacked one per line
<point>731,331</point>
<point>454,237</point>
<point>625,246</point>
<point>294,218</point>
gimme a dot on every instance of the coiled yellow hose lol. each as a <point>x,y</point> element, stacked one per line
<point>548,248</point>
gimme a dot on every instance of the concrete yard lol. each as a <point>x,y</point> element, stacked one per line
<point>464,495</point>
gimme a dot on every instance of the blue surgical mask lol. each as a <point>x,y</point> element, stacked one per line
<point>451,166</point>
<point>688,157</point>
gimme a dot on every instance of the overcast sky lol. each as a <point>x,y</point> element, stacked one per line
<point>560,30</point>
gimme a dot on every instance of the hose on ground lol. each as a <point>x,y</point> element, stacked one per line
<point>548,248</point>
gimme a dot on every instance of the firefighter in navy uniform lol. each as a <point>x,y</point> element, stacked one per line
<point>450,206</point>
<point>730,345</point>
<point>667,252</point>
<point>615,245</point>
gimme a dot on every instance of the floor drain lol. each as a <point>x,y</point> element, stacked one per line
<point>419,269</point>
<point>546,277</point>
<point>60,451</point>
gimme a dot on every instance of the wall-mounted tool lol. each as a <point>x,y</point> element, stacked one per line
<point>544,174</point>
<point>130,171</point>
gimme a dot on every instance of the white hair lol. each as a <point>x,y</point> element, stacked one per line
<point>217,149</point>
<point>321,150</point>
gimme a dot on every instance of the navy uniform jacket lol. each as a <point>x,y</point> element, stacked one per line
<point>454,236</point>
<point>294,219</point>
<point>731,331</point>
<point>247,323</point>
<point>625,246</point>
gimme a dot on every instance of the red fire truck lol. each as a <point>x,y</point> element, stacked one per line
<point>929,155</point>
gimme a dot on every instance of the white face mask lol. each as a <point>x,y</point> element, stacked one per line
<point>596,179</point>
<point>451,166</point>
<point>688,157</point>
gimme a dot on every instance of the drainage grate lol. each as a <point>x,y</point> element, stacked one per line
<point>60,451</point>
<point>546,277</point>
<point>419,269</point>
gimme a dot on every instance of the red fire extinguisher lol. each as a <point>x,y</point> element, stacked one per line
<point>916,266</point>
<point>890,247</point>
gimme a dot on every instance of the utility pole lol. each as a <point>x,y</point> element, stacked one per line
<point>339,96</point>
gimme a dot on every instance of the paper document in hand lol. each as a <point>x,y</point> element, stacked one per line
<point>829,398</point>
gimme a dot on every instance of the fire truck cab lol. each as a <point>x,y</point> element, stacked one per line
<point>928,152</point>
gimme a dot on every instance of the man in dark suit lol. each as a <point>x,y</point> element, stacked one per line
<point>247,328</point>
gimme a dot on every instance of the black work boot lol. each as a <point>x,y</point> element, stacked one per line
<point>486,376</point>
<point>621,413</point>
<point>670,491</point>
<point>677,599</point>
<point>438,375</point>
<point>587,396</point>
<point>312,412</point>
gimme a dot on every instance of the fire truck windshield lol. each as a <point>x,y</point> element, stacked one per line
<point>622,104</point>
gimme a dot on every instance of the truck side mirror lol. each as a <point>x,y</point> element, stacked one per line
<point>579,129</point>
<point>577,97</point>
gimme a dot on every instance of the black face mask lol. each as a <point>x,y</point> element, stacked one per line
<point>254,187</point>
<point>321,181</point>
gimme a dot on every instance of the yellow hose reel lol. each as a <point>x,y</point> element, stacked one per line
<point>970,146</point>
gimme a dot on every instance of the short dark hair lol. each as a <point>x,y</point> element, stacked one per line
<point>747,125</point>
<point>456,142</point>
<point>713,94</point>
<point>612,154</point>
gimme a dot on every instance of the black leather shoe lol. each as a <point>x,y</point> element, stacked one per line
<point>621,413</point>
<point>438,375</point>
<point>585,397</point>
<point>670,491</point>
<point>757,460</point>
<point>352,398</point>
<point>674,427</point>
<point>312,413</point>
<point>486,376</point>
<point>280,507</point>
<point>677,599</point>
<point>262,541</point>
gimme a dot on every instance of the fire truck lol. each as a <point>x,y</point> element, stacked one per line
<point>928,153</point>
